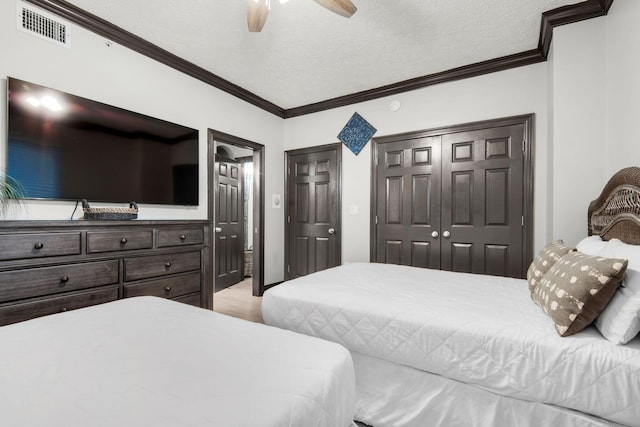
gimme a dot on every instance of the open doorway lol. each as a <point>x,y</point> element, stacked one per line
<point>236,209</point>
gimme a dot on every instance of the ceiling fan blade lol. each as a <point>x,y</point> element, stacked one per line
<point>342,7</point>
<point>257,13</point>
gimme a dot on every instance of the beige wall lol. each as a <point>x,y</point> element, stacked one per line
<point>623,85</point>
<point>595,94</point>
<point>578,99</point>
<point>507,93</point>
<point>585,101</point>
<point>118,76</point>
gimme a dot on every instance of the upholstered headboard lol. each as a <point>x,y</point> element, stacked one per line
<point>616,213</point>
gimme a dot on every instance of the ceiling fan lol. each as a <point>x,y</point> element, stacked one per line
<point>259,10</point>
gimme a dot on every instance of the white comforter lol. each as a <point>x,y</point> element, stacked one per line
<point>477,329</point>
<point>150,362</point>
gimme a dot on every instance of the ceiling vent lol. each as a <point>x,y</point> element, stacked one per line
<point>42,24</point>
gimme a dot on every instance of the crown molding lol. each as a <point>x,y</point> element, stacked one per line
<point>118,35</point>
<point>567,15</point>
<point>504,63</point>
<point>606,5</point>
<point>550,19</point>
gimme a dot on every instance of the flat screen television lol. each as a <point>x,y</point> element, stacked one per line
<point>65,147</point>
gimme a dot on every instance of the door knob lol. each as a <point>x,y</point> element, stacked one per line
<point>434,234</point>
<point>332,230</point>
<point>446,234</point>
<point>218,229</point>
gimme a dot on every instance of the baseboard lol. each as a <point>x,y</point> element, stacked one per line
<point>272,285</point>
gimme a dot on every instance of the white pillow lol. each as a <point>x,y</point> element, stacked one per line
<point>620,320</point>
<point>618,249</point>
<point>591,245</point>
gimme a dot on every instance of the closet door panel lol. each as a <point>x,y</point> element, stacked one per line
<point>408,212</point>
<point>482,201</point>
<point>462,257</point>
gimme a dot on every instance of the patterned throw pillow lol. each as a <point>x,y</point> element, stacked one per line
<point>544,261</point>
<point>577,289</point>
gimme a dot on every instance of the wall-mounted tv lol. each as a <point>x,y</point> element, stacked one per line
<point>65,147</point>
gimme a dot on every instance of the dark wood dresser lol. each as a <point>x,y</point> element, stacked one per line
<point>51,266</point>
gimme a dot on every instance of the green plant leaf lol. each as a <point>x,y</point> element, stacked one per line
<point>10,189</point>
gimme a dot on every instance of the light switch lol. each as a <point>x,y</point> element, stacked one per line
<point>354,210</point>
<point>276,202</point>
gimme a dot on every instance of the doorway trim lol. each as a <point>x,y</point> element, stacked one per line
<point>527,153</point>
<point>258,200</point>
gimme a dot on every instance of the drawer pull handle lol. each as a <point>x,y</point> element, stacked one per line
<point>123,240</point>
<point>168,264</point>
<point>38,245</point>
<point>167,288</point>
<point>64,279</point>
<point>183,237</point>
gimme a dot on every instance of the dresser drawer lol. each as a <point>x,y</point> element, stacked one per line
<point>50,280</point>
<point>29,310</point>
<point>160,265</point>
<point>15,246</point>
<point>191,299</point>
<point>110,241</point>
<point>180,237</point>
<point>169,287</point>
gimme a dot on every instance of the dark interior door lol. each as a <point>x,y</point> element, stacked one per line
<point>229,233</point>
<point>482,201</point>
<point>408,203</point>
<point>454,198</point>
<point>313,210</point>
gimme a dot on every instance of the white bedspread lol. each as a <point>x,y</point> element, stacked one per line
<point>476,329</point>
<point>152,362</point>
<point>392,395</point>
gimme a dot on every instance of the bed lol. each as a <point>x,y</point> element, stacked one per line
<point>441,348</point>
<point>149,361</point>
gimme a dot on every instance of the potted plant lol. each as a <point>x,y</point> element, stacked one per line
<point>11,191</point>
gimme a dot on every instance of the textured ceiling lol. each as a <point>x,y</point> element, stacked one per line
<point>306,54</point>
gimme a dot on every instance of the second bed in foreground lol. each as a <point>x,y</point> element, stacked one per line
<point>148,361</point>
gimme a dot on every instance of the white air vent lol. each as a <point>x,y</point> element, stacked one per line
<point>42,24</point>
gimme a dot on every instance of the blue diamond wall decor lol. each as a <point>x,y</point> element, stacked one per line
<point>356,133</point>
